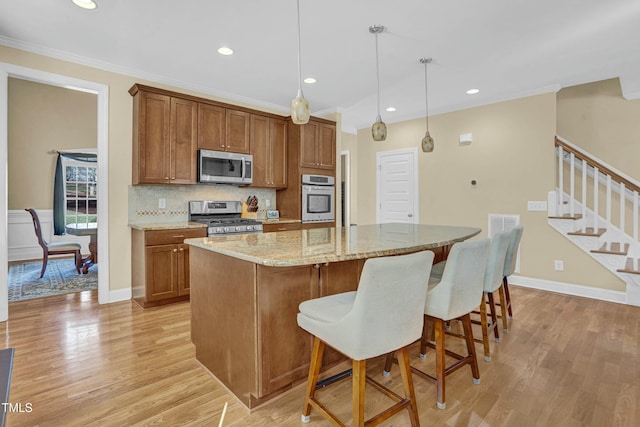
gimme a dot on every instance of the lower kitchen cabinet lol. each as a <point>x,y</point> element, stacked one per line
<point>160,265</point>
<point>286,226</point>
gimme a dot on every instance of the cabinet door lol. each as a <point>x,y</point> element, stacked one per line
<point>260,150</point>
<point>284,348</point>
<point>183,141</point>
<point>153,138</point>
<point>211,127</point>
<point>183,269</point>
<point>161,272</point>
<point>277,153</point>
<point>326,146</point>
<point>308,145</point>
<point>238,131</point>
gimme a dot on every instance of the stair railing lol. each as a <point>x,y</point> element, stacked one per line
<point>581,162</point>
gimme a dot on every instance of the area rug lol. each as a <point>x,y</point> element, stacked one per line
<point>60,278</point>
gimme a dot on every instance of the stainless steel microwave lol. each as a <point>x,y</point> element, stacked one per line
<point>221,167</point>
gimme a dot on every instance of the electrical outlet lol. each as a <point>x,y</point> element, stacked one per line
<point>162,203</point>
<point>558,265</point>
<point>537,206</point>
<point>267,203</point>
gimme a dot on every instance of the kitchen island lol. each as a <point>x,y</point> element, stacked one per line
<point>245,292</point>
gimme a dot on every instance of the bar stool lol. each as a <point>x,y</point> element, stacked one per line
<point>384,315</point>
<point>510,266</point>
<point>493,283</point>
<point>452,298</point>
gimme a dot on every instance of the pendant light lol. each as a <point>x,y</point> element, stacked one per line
<point>299,106</point>
<point>427,141</point>
<point>379,129</point>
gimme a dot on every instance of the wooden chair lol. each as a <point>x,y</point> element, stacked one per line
<point>54,248</point>
<point>383,316</point>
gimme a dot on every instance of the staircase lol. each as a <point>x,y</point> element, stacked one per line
<point>596,207</point>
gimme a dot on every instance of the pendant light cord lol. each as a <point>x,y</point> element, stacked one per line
<point>299,59</point>
<point>426,95</point>
<point>378,73</point>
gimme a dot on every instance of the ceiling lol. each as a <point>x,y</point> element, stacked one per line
<point>505,48</point>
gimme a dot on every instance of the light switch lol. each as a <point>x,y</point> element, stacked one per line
<point>162,203</point>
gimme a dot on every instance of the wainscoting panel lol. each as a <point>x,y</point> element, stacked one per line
<point>23,243</point>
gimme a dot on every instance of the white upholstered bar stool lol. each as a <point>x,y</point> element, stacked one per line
<point>452,298</point>
<point>509,268</point>
<point>384,315</point>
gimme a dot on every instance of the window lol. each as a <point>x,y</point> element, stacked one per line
<point>81,192</point>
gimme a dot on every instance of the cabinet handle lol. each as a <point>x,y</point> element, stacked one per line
<point>166,177</point>
<point>181,249</point>
<point>181,235</point>
<point>173,177</point>
<point>316,266</point>
<point>326,264</point>
<point>175,250</point>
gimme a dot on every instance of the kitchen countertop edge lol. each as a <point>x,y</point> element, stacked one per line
<point>167,226</point>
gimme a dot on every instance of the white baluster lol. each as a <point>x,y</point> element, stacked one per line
<point>572,185</point>
<point>560,181</point>
<point>596,175</point>
<point>623,202</point>
<point>584,191</point>
<point>608,222</point>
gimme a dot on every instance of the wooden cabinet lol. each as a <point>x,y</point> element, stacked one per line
<point>238,131</point>
<point>164,139</point>
<point>212,128</point>
<point>160,265</point>
<point>269,150</point>
<point>269,228</point>
<point>318,146</point>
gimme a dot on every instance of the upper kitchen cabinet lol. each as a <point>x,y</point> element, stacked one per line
<point>212,127</point>
<point>318,145</point>
<point>269,150</point>
<point>238,133</point>
<point>164,138</point>
<point>223,129</point>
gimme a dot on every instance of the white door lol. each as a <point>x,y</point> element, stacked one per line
<point>397,186</point>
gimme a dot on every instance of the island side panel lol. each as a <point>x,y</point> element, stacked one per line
<point>284,347</point>
<point>223,313</point>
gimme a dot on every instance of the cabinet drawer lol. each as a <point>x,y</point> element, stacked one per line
<point>172,236</point>
<point>268,228</point>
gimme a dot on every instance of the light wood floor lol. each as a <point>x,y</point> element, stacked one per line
<point>566,361</point>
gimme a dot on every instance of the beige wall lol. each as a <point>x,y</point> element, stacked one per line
<point>43,118</point>
<point>350,143</point>
<point>598,119</point>
<point>512,160</point>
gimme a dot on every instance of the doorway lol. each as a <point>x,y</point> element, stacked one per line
<point>345,187</point>
<point>102,91</point>
<point>397,186</point>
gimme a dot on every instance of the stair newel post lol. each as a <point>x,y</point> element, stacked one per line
<point>596,202</point>
<point>560,180</point>
<point>572,185</point>
<point>636,242</point>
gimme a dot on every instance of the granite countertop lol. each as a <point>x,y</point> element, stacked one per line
<point>320,245</point>
<point>167,225</point>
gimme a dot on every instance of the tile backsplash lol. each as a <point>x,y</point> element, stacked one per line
<point>144,200</point>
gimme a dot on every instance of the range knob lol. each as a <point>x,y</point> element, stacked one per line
<point>219,229</point>
<point>249,227</point>
<point>226,229</point>
<point>238,228</point>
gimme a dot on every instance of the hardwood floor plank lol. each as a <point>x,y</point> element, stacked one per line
<point>566,361</point>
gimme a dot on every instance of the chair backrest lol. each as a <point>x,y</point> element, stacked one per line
<point>387,312</point>
<point>512,251</point>
<point>460,290</point>
<point>495,265</point>
<point>37,227</point>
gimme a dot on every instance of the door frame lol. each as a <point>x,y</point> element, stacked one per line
<point>102,91</point>
<point>416,194</point>
<point>346,176</point>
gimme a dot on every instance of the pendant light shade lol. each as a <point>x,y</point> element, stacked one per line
<point>300,112</point>
<point>427,141</point>
<point>379,129</point>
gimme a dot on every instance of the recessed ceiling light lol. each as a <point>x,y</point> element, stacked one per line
<point>473,91</point>
<point>85,4</point>
<point>225,51</point>
<point>391,109</point>
<point>309,80</point>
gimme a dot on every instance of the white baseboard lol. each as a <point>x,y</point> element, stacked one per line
<point>119,295</point>
<point>569,289</point>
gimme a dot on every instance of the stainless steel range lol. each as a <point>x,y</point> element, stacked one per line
<point>223,217</point>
